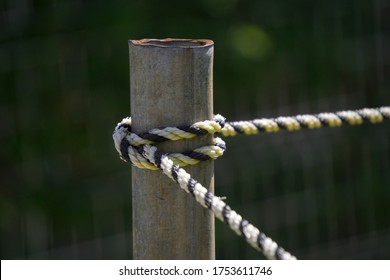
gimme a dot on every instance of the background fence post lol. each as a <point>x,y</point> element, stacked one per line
<point>171,83</point>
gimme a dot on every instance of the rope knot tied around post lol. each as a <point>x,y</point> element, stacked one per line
<point>139,149</point>
<point>130,145</point>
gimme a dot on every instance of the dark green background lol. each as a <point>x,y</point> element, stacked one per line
<point>64,84</point>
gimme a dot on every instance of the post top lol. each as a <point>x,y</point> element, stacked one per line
<point>173,43</point>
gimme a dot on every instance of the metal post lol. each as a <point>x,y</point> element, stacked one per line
<point>171,85</point>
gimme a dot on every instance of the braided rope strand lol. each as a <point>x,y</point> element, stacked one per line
<point>221,210</point>
<point>218,125</point>
<point>298,122</point>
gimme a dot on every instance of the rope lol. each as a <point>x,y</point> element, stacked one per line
<point>139,150</point>
<point>221,210</point>
<point>306,121</point>
<point>126,142</point>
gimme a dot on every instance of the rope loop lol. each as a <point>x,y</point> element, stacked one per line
<point>127,143</point>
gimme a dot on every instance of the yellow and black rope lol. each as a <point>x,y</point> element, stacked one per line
<point>298,122</point>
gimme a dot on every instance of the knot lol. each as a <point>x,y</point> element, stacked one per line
<point>130,145</point>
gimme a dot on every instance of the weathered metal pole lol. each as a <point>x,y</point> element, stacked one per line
<point>171,85</point>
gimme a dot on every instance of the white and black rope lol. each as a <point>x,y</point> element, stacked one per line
<point>139,150</point>
<point>221,210</point>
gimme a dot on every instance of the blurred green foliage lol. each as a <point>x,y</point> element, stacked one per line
<point>64,85</point>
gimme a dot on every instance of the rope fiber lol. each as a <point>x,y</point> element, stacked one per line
<point>140,151</point>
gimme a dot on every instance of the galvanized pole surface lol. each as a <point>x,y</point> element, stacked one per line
<point>171,83</point>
